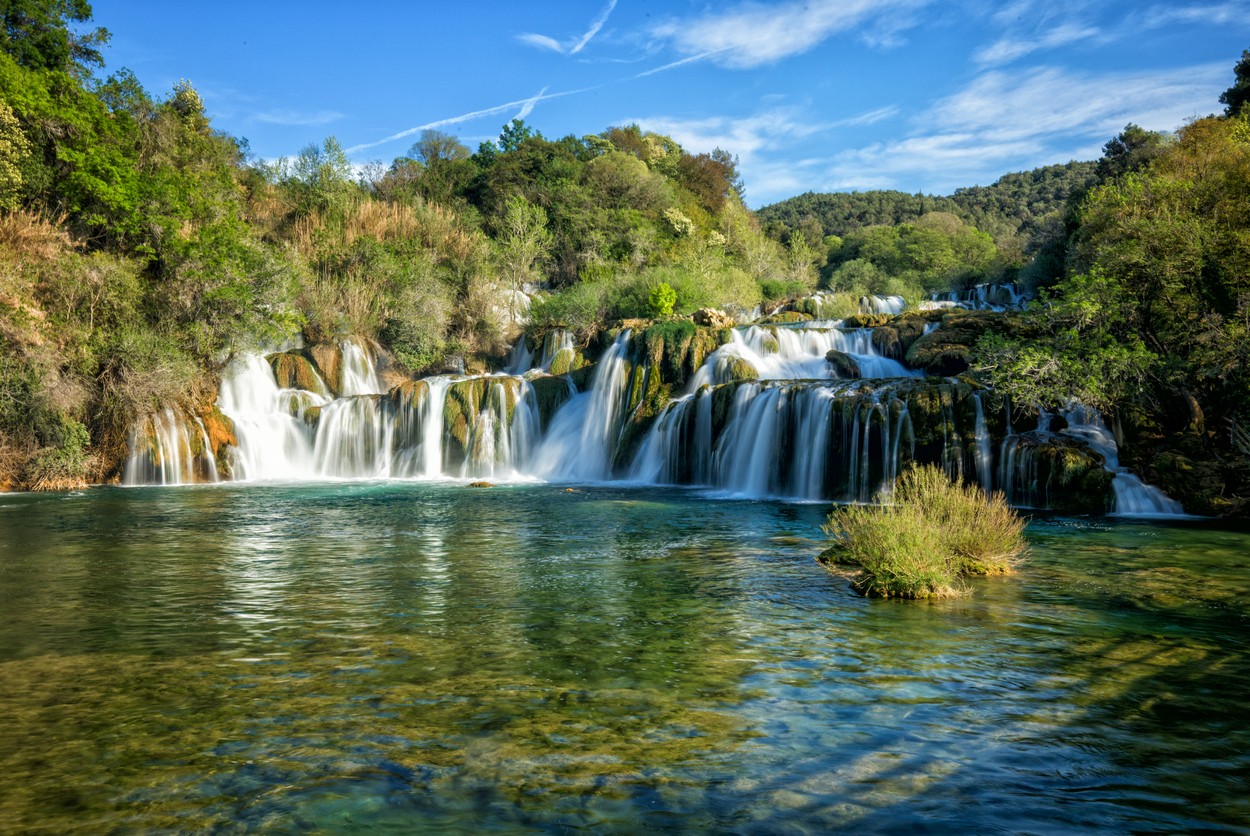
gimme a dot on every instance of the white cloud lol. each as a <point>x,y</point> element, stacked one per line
<point>765,144</point>
<point>1009,49</point>
<point>1217,14</point>
<point>1010,121</point>
<point>297,118</point>
<point>575,45</point>
<point>751,35</point>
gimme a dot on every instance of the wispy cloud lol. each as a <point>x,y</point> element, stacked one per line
<point>526,107</point>
<point>751,35</point>
<point>1009,49</point>
<point>1025,119</point>
<point>1217,14</point>
<point>574,45</point>
<point>297,118</point>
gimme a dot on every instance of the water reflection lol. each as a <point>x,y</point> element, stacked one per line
<point>417,657</point>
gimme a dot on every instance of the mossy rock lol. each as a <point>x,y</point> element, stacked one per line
<point>1198,484</point>
<point>410,394</point>
<point>947,350</point>
<point>295,371</point>
<point>550,393</point>
<point>886,340</point>
<point>220,431</point>
<point>867,320</point>
<point>312,417</point>
<point>844,364</point>
<point>740,370</point>
<point>567,360</point>
<point>787,317</point>
<point>328,360</point>
<point>480,485</point>
<point>1070,477</point>
<point>465,403</point>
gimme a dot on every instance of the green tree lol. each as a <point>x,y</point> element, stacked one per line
<point>1235,97</point>
<point>38,34</point>
<point>15,148</point>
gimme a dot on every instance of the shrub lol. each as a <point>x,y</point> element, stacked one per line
<point>932,533</point>
<point>662,300</point>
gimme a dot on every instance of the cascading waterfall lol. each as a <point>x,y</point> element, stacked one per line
<point>783,353</point>
<point>295,434</point>
<point>984,448</point>
<point>581,440</point>
<point>983,297</point>
<point>1133,498</point>
<point>798,440</point>
<point>162,452</point>
<point>891,305</point>
<point>773,412</point>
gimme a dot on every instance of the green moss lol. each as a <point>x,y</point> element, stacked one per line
<point>863,320</point>
<point>844,364</point>
<point>948,350</point>
<point>740,370</point>
<point>787,317</point>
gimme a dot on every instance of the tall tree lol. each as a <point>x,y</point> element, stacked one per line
<point>37,34</point>
<point>1235,97</point>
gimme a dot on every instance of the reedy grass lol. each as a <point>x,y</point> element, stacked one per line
<point>926,536</point>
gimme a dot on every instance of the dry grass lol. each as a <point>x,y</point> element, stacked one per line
<point>434,227</point>
<point>29,234</point>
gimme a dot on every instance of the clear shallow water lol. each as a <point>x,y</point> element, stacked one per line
<point>424,658</point>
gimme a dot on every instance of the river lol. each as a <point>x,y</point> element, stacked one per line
<point>425,657</point>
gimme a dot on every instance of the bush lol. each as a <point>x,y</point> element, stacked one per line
<point>662,299</point>
<point>933,533</point>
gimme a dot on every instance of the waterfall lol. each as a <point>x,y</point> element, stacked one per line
<point>275,440</point>
<point>892,305</point>
<point>555,341</point>
<point>162,452</point>
<point>1133,497</point>
<point>795,353</point>
<point>360,375</point>
<point>984,452</point>
<point>983,297</point>
<point>806,440</point>
<point>582,438</point>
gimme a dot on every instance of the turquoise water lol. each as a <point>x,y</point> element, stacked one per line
<point>425,658</point>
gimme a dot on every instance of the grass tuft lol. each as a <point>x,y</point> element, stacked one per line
<point>933,533</point>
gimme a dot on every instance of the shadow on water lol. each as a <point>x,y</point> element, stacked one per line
<point>429,658</point>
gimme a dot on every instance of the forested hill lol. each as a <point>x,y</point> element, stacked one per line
<point>1021,204</point>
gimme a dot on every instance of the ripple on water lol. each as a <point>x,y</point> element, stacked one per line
<point>422,658</point>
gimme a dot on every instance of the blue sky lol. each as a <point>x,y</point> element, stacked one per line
<point>824,95</point>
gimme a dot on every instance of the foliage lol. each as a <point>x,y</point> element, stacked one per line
<point>932,533</point>
<point>1235,97</point>
<point>662,299</point>
<point>1080,346</point>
